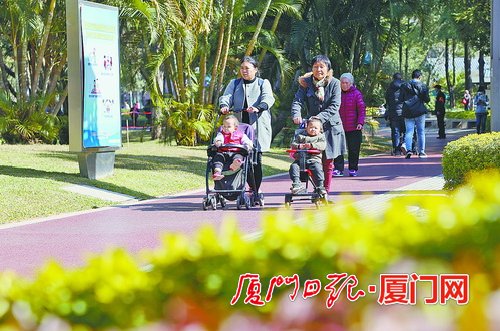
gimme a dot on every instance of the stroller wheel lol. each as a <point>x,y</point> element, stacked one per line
<point>288,201</point>
<point>205,204</point>
<point>238,202</point>
<point>247,202</point>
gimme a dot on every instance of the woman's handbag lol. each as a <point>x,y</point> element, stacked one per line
<point>414,107</point>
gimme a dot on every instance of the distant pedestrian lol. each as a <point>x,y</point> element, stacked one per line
<point>414,94</point>
<point>134,113</point>
<point>394,113</point>
<point>467,100</point>
<point>440,110</point>
<point>352,112</point>
<point>481,103</point>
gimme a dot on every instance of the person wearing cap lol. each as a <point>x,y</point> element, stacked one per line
<point>439,109</point>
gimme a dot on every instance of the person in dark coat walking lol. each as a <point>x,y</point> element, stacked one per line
<point>394,113</point>
<point>415,120</point>
<point>439,109</point>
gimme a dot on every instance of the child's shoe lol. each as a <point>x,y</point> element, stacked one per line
<point>217,175</point>
<point>235,165</point>
<point>322,190</point>
<point>297,188</point>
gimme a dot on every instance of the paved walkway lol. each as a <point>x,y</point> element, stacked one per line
<point>70,238</point>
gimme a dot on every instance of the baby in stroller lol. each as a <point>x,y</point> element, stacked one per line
<point>309,142</point>
<point>229,135</point>
<point>229,162</point>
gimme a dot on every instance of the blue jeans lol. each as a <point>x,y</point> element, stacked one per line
<point>419,123</point>
<point>481,122</point>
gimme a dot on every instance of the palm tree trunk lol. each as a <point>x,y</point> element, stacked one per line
<point>215,68</point>
<point>58,105</point>
<point>225,50</point>
<point>273,30</point>
<point>253,41</point>
<point>179,56</point>
<point>42,48</point>
<point>203,71</point>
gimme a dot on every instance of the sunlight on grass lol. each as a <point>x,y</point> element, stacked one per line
<point>32,176</point>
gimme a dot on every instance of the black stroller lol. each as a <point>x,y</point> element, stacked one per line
<point>233,186</point>
<point>315,195</point>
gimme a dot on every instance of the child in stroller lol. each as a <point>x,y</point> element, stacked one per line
<point>229,163</point>
<point>229,135</point>
<point>306,148</point>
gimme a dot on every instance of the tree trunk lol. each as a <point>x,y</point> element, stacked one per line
<point>400,48</point>
<point>42,48</point>
<point>481,67</point>
<point>353,49</point>
<point>253,41</point>
<point>467,67</point>
<point>179,57</point>
<point>447,71</point>
<point>225,49</point>
<point>203,72</point>
<point>210,96</point>
<point>273,30</point>
<point>454,48</point>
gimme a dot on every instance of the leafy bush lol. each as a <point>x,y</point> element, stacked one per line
<point>189,282</point>
<point>470,153</point>
<point>462,114</point>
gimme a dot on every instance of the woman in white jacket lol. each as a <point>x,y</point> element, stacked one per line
<point>251,99</point>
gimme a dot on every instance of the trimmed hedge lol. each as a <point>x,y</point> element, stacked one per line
<point>189,282</point>
<point>469,154</point>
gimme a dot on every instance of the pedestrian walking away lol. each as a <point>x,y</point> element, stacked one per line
<point>413,95</point>
<point>394,113</point>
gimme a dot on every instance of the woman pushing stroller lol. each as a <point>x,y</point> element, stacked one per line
<point>229,135</point>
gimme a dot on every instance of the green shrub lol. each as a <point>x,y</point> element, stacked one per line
<point>462,114</point>
<point>470,153</point>
<point>189,282</point>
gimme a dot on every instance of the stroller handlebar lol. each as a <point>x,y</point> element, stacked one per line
<point>309,151</point>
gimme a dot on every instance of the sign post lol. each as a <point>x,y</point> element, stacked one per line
<point>93,86</point>
<point>495,65</point>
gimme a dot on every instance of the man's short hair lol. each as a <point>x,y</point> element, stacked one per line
<point>416,73</point>
<point>397,75</point>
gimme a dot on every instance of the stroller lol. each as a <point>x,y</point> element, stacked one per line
<point>233,186</point>
<point>306,176</point>
<point>315,195</point>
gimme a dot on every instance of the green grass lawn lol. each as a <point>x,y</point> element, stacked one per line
<point>32,177</point>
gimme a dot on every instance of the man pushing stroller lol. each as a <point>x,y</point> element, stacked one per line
<point>310,138</point>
